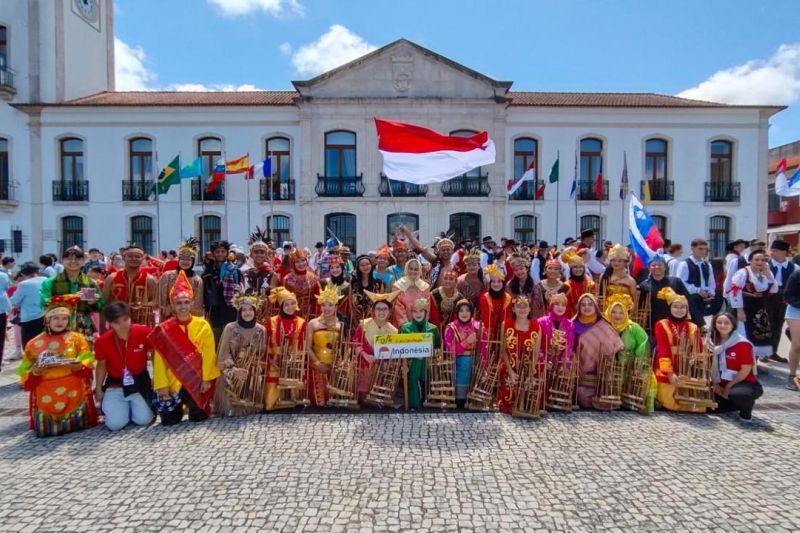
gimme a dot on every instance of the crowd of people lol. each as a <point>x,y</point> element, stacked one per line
<point>131,337</point>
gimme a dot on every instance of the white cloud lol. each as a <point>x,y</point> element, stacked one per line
<point>275,8</point>
<point>130,69</point>
<point>334,48</point>
<point>286,49</point>
<point>772,81</point>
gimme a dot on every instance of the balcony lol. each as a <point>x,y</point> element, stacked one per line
<point>71,191</point>
<point>199,193</point>
<point>7,89</point>
<point>660,190</point>
<point>526,191</point>
<point>280,191</point>
<point>400,189</point>
<point>137,191</point>
<point>586,190</point>
<point>8,195</point>
<point>472,186</point>
<point>340,186</point>
<point>722,191</point>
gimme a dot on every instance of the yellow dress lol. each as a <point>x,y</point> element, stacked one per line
<point>199,332</point>
<point>323,343</point>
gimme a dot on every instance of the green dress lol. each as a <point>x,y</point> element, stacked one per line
<point>417,367</point>
<point>637,345</point>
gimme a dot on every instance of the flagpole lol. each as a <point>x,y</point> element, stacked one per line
<point>248,193</point>
<point>600,197</point>
<point>625,196</point>
<point>158,212</point>
<point>180,197</point>
<point>558,183</point>
<point>575,198</point>
<point>271,202</point>
<point>202,187</point>
<point>535,187</point>
<point>224,195</point>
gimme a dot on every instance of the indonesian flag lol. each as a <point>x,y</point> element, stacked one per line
<point>529,174</point>
<point>418,155</point>
<point>784,186</point>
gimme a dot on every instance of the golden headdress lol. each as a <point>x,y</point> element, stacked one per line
<point>329,295</point>
<point>523,256</point>
<point>473,255</point>
<point>493,272</point>
<point>670,296</point>
<point>242,298</point>
<point>181,288</point>
<point>619,252</point>
<point>258,239</point>
<point>279,295</point>
<point>445,242</point>
<point>420,304</point>
<point>61,305</point>
<point>520,299</point>
<point>557,298</point>
<point>571,258</point>
<point>189,246</point>
<point>626,303</point>
<point>384,297</point>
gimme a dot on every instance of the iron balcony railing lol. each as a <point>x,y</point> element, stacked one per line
<point>138,190</point>
<point>467,186</point>
<point>340,186</point>
<point>278,191</point>
<point>199,193</point>
<point>526,191</point>
<point>71,191</point>
<point>660,190</point>
<point>7,79</point>
<point>722,191</point>
<point>587,190</point>
<point>399,189</point>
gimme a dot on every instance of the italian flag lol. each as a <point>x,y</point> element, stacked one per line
<point>419,155</point>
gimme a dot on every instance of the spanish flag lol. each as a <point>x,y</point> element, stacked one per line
<point>238,166</point>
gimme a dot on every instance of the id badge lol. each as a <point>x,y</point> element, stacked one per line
<point>127,378</point>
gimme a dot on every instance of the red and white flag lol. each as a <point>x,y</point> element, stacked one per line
<point>529,174</point>
<point>418,155</point>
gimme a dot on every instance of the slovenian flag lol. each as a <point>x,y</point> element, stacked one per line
<point>529,174</point>
<point>217,176</point>
<point>644,234</point>
<point>784,186</point>
<point>419,155</point>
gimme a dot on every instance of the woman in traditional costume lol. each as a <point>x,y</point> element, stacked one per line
<point>558,338</point>
<point>303,283</point>
<point>465,338</point>
<point>578,282</point>
<point>240,358</point>
<point>445,298</point>
<point>618,280</point>
<point>187,252</point>
<point>521,343</point>
<point>365,335</point>
<point>671,333</point>
<point>750,287</point>
<point>56,370</point>
<point>323,336</point>
<point>383,271</point>
<point>522,284</point>
<point>412,288</point>
<point>341,281</point>
<point>596,339</point>
<point>362,280</point>
<point>494,303</point>
<point>635,341</point>
<point>552,284</point>
<point>287,334</point>
<point>417,375</point>
<point>471,283</point>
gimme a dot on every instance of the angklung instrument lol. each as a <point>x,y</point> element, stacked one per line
<point>485,376</point>
<point>441,380</point>
<point>608,395</point>
<point>343,382</point>
<point>562,374</point>
<point>694,374</point>
<point>638,372</point>
<point>292,375</point>
<point>531,384</point>
<point>248,392</point>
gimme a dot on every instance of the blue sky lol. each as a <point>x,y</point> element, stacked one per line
<point>733,51</point>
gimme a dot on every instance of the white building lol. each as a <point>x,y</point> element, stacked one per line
<point>76,157</point>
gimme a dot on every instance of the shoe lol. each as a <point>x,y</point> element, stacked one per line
<point>778,359</point>
<point>746,418</point>
<point>791,384</point>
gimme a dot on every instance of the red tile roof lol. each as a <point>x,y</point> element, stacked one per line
<point>175,98</point>
<point>792,162</point>
<point>547,99</point>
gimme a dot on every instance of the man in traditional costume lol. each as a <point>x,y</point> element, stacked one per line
<point>134,286</point>
<point>417,375</point>
<point>259,276</point>
<point>649,289</point>
<point>445,298</point>
<point>56,369</point>
<point>303,283</point>
<point>287,334</point>
<point>439,258</point>
<point>74,281</point>
<point>187,252</point>
<point>471,283</point>
<point>184,365</point>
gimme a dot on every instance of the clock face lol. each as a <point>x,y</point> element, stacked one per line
<point>87,8</point>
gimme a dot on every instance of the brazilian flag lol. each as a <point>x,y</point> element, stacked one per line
<point>170,175</point>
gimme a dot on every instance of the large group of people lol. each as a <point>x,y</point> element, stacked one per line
<point>522,328</point>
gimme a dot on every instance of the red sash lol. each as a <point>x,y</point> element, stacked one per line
<point>181,356</point>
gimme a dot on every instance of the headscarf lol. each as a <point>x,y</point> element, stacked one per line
<point>405,282</point>
<point>624,302</point>
<point>597,314</point>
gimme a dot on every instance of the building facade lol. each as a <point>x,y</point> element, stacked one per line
<point>783,216</point>
<point>77,159</point>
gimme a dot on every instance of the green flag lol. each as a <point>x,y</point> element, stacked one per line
<point>169,176</point>
<point>554,172</point>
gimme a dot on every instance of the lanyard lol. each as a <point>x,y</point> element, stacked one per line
<point>125,353</point>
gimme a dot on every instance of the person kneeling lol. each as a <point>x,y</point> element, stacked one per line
<point>736,387</point>
<point>122,384</point>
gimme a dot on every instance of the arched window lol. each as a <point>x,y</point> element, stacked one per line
<point>526,152</point>
<point>661,223</point>
<point>465,226</point>
<point>719,233</point>
<point>71,159</point>
<point>343,225</point>
<point>209,149</point>
<point>278,186</point>
<point>721,161</point>
<point>409,220</point>
<point>340,154</point>
<point>210,229</point>
<point>475,172</point>
<point>6,74</point>
<point>141,159</point>
<point>142,232</point>
<point>591,169</point>
<point>525,229</point>
<point>5,170</point>
<point>278,229</point>
<point>71,232</point>
<point>593,222</point>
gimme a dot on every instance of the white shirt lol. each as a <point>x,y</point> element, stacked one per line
<point>594,266</point>
<point>778,266</point>
<point>485,257</point>
<point>707,284</point>
<point>534,271</point>
<point>740,279</point>
<point>731,267</point>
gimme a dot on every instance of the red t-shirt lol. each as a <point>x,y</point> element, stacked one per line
<point>135,357</point>
<point>737,355</point>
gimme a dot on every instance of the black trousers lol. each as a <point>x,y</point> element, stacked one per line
<point>196,414</point>
<point>220,316</point>
<point>31,329</point>
<point>742,398</point>
<point>697,307</point>
<point>3,323</point>
<point>776,308</point>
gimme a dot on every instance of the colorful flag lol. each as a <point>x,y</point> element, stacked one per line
<point>644,235</point>
<point>217,176</point>
<point>598,185</point>
<point>529,174</point>
<point>539,190</point>
<point>784,186</point>
<point>170,175</point>
<point>238,166</point>
<point>193,169</point>
<point>574,190</point>
<point>623,183</point>
<point>646,192</point>
<point>553,172</point>
<point>260,169</point>
<point>419,155</point>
